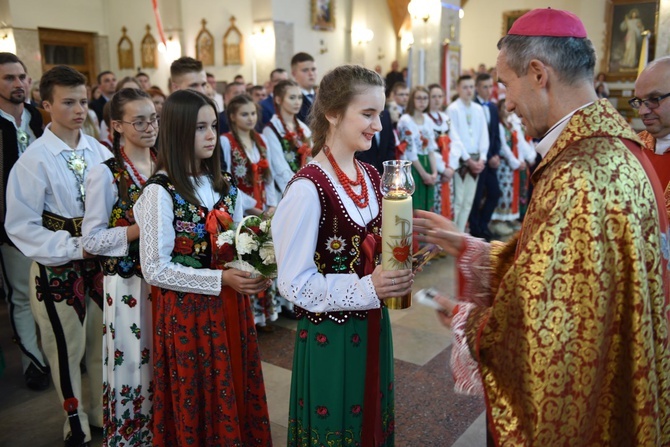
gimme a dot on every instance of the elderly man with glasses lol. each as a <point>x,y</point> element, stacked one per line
<point>652,90</point>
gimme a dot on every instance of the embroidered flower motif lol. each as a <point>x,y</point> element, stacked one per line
<point>135,329</point>
<point>355,339</point>
<point>118,357</point>
<point>303,334</point>
<point>356,410</point>
<point>335,244</point>
<point>321,339</point>
<point>322,411</point>
<point>240,171</point>
<point>183,245</point>
<point>146,356</point>
<point>290,156</point>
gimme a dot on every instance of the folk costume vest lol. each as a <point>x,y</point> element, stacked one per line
<point>340,246</point>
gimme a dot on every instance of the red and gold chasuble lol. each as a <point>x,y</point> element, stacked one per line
<point>660,162</point>
<point>573,345</point>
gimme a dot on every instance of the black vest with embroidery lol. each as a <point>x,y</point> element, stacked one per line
<point>192,242</point>
<point>122,216</point>
<point>338,245</point>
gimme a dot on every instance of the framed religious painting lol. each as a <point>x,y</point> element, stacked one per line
<point>628,21</point>
<point>509,17</point>
<point>204,45</point>
<point>125,51</point>
<point>323,15</point>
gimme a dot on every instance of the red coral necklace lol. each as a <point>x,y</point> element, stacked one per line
<point>361,200</point>
<point>132,166</point>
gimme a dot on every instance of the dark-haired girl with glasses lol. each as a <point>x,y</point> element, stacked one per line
<point>110,231</point>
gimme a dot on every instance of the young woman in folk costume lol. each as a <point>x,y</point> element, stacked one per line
<point>417,137</point>
<point>208,383</point>
<point>326,230</point>
<point>289,143</point>
<point>245,153</point>
<point>445,160</point>
<point>515,152</point>
<point>109,230</point>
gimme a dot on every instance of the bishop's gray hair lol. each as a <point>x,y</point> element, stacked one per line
<point>573,59</point>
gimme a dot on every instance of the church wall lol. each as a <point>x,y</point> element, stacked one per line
<point>336,42</point>
<point>481,27</point>
<point>375,16</point>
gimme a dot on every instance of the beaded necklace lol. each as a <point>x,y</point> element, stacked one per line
<point>361,200</point>
<point>437,120</point>
<point>133,168</point>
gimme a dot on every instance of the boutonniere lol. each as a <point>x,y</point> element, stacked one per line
<point>77,164</point>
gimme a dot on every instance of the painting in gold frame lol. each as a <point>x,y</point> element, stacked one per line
<point>626,20</point>
<point>323,15</point>
<point>509,17</point>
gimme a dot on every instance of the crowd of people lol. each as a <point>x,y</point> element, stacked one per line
<point>111,212</point>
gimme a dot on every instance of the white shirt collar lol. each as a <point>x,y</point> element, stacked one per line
<point>25,118</point>
<point>55,145</point>
<point>307,92</point>
<point>552,134</point>
<point>662,144</point>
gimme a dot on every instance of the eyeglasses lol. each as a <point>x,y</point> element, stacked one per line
<point>142,126</point>
<point>650,103</point>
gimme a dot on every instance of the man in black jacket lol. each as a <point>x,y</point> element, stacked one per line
<point>20,125</point>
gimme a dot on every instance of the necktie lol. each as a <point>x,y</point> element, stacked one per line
<point>310,96</point>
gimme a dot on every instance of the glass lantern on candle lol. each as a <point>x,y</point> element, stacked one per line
<point>397,186</point>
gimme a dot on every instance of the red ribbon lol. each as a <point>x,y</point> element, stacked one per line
<point>217,221</point>
<point>371,247</point>
<point>159,22</point>
<point>257,181</point>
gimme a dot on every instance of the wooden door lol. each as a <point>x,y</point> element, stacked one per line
<point>72,48</point>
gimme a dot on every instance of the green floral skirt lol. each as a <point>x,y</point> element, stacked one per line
<point>327,387</point>
<point>424,195</point>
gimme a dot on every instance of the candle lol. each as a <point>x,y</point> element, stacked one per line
<point>397,187</point>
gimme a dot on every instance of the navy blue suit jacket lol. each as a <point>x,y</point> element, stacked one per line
<point>267,109</point>
<point>304,109</point>
<point>494,129</point>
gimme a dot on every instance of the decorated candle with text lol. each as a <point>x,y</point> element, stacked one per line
<point>397,186</point>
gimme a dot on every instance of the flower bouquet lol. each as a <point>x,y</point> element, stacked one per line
<point>254,247</point>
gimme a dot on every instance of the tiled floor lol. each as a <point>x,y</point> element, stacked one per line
<point>428,412</point>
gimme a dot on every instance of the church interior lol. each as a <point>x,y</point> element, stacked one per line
<point>435,40</point>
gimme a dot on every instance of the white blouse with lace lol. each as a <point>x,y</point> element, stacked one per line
<point>101,195</point>
<point>295,228</point>
<point>154,213</point>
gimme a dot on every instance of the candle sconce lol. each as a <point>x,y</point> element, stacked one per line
<point>323,49</point>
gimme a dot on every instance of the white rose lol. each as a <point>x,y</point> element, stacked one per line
<point>264,226</point>
<point>267,252</point>
<point>246,244</point>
